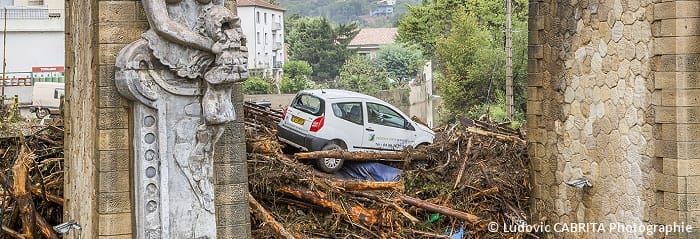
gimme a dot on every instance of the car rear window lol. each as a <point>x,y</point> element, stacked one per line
<point>309,104</point>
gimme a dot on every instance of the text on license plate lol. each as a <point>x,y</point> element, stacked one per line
<point>298,120</point>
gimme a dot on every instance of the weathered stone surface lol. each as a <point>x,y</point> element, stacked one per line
<point>114,182</point>
<point>627,18</point>
<point>602,48</point>
<point>114,160</point>
<point>596,62</point>
<point>112,118</point>
<point>115,224</point>
<point>617,31</point>
<point>110,203</point>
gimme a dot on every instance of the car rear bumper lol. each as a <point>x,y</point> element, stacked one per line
<point>303,141</point>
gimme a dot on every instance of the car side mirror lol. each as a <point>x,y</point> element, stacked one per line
<point>409,126</point>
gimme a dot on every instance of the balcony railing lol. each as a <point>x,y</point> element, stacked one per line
<point>277,46</point>
<point>276,26</point>
<point>30,13</point>
<point>277,64</point>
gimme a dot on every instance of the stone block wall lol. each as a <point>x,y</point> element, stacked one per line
<point>95,33</point>
<point>612,97</point>
<point>676,66</point>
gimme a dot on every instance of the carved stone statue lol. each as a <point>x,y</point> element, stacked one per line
<point>180,77</point>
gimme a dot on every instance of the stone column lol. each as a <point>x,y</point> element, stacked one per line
<point>98,183</point>
<point>676,30</point>
<point>81,134</point>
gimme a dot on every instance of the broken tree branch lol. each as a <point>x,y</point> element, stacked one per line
<point>471,218</point>
<point>510,138</point>
<point>464,163</point>
<point>12,233</point>
<point>262,214</point>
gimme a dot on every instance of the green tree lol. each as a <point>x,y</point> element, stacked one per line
<point>471,65</point>
<point>317,42</point>
<point>360,75</point>
<point>425,24</point>
<point>399,61</point>
<point>256,85</point>
<point>296,77</point>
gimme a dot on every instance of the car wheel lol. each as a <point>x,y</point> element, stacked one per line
<point>41,113</point>
<point>330,165</point>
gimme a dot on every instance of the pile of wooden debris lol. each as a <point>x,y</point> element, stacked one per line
<point>32,183</point>
<point>473,174</point>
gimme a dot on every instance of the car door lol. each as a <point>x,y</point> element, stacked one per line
<point>385,128</point>
<point>349,123</point>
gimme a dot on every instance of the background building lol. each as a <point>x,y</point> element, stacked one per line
<point>34,47</point>
<point>263,25</point>
<point>368,40</point>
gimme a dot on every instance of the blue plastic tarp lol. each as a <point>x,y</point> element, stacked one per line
<point>369,171</point>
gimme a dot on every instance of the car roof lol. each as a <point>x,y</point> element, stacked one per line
<point>338,94</point>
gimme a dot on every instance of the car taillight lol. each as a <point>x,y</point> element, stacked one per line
<point>284,113</point>
<point>317,124</point>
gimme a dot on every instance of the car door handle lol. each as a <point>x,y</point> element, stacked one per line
<point>369,129</point>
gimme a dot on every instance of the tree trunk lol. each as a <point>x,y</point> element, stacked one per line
<point>361,156</point>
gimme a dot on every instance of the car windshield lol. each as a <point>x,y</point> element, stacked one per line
<point>309,104</point>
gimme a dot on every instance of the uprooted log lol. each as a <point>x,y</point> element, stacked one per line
<point>363,155</point>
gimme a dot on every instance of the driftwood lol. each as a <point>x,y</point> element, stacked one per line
<point>362,155</point>
<point>357,214</point>
<point>387,202</point>
<point>500,136</point>
<point>471,218</point>
<point>353,185</point>
<point>267,218</point>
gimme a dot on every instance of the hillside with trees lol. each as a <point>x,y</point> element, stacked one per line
<point>346,11</point>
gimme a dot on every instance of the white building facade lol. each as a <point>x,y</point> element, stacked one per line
<point>33,44</point>
<point>263,26</point>
<point>35,34</point>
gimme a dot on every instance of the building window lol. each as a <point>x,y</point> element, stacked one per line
<point>257,38</point>
<point>257,17</point>
<point>266,38</point>
<point>35,2</point>
<point>265,18</point>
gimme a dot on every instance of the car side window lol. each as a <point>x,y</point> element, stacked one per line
<point>350,111</point>
<point>383,115</point>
